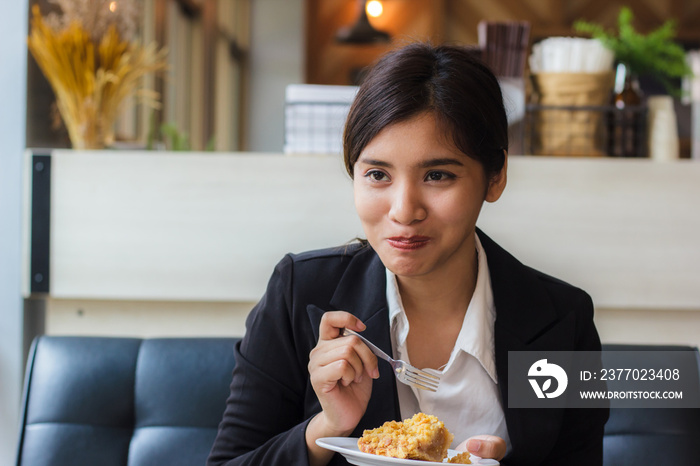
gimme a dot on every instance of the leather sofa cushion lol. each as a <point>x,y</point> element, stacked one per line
<point>123,401</point>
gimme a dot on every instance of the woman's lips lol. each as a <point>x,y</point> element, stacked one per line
<point>406,243</point>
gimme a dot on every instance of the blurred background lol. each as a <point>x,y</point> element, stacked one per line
<point>171,225</point>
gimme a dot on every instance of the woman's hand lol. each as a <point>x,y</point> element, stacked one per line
<point>484,446</point>
<point>341,371</point>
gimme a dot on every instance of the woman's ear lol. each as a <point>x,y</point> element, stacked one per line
<point>497,183</point>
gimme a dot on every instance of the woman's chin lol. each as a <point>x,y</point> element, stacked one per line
<point>406,267</point>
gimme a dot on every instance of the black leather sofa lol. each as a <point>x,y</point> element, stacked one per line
<point>132,402</point>
<point>123,401</point>
<point>637,436</point>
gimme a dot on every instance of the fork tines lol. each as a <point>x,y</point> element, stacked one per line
<point>422,379</point>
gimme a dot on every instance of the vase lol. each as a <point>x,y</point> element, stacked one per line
<point>91,127</point>
<point>662,128</point>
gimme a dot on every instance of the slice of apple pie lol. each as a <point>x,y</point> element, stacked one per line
<point>422,437</point>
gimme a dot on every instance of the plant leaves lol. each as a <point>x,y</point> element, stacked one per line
<point>654,54</point>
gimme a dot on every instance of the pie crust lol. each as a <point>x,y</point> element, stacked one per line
<point>422,437</point>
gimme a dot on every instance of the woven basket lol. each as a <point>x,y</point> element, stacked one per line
<point>571,131</point>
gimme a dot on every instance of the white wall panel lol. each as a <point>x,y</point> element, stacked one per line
<point>189,226</point>
<point>627,231</point>
<point>210,227</point>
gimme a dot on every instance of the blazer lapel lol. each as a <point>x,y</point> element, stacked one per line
<point>524,316</point>
<point>362,292</point>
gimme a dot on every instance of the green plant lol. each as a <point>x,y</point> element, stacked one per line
<point>654,54</point>
<point>169,137</point>
<point>174,138</point>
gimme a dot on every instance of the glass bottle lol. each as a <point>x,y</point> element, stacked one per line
<point>627,118</point>
<point>627,90</point>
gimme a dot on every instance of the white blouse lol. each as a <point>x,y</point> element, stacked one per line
<point>468,399</point>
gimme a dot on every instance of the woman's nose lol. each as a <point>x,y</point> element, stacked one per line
<point>407,205</point>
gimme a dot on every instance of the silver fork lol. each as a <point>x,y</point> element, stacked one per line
<point>404,372</point>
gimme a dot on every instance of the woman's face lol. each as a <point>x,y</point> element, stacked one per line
<point>419,197</point>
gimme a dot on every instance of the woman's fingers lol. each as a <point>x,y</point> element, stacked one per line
<point>340,360</point>
<point>485,446</point>
<point>338,372</point>
<point>333,322</point>
<point>369,360</point>
<point>330,328</point>
<point>357,357</point>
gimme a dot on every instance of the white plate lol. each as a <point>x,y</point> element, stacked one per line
<point>347,446</point>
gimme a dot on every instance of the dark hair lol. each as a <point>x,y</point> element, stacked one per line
<point>449,81</point>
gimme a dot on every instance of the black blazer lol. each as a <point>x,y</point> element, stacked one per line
<point>272,400</point>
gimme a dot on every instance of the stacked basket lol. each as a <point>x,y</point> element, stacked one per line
<point>570,76</point>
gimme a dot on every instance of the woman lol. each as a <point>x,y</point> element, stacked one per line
<point>425,143</point>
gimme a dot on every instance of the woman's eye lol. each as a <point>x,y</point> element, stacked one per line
<point>376,175</point>
<point>438,176</point>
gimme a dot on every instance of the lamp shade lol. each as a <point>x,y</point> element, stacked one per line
<point>362,31</point>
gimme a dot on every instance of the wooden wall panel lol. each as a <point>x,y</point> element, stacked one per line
<point>456,21</point>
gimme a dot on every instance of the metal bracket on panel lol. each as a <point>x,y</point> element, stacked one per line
<point>41,223</point>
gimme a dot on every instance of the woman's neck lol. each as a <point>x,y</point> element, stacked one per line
<point>435,307</point>
<point>441,295</point>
